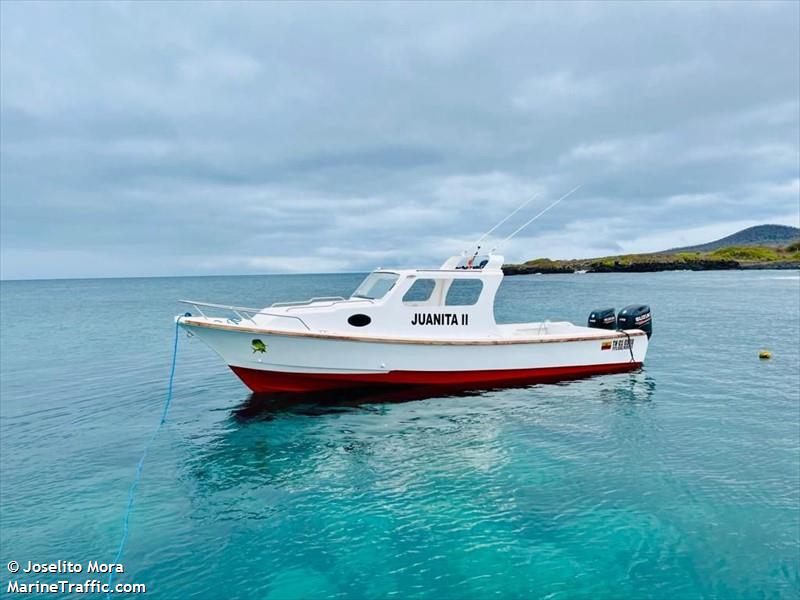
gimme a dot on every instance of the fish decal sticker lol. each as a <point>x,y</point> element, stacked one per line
<point>258,346</point>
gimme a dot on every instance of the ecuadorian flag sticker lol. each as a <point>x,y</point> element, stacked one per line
<point>606,345</point>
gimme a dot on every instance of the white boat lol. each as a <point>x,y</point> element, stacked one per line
<point>413,326</point>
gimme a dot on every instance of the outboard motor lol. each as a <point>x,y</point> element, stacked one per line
<point>603,318</point>
<point>636,316</point>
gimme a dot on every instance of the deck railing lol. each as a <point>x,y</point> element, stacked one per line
<point>304,302</point>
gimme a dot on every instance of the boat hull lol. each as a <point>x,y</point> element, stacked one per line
<point>270,361</point>
<point>265,381</point>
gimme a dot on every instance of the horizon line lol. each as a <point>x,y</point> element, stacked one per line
<point>2,280</point>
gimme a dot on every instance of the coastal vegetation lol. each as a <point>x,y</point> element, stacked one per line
<point>712,256</point>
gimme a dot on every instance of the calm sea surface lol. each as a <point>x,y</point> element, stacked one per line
<point>680,481</point>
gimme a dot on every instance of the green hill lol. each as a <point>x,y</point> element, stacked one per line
<point>760,235</point>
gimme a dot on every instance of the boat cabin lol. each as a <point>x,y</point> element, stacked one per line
<point>453,301</point>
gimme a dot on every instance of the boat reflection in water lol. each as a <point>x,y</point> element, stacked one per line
<point>260,407</point>
<point>276,444</point>
<point>634,388</point>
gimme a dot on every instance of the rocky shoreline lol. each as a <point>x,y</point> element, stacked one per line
<point>644,267</point>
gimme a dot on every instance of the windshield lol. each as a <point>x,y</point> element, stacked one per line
<point>376,286</point>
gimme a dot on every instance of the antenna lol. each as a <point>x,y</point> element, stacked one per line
<point>485,235</point>
<point>569,193</point>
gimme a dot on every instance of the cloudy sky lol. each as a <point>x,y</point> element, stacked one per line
<point>161,139</point>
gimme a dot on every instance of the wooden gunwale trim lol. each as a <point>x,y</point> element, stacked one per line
<point>350,338</point>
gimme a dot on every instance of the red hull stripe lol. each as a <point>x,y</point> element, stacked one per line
<point>278,381</point>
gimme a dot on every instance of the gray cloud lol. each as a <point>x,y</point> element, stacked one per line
<point>172,138</point>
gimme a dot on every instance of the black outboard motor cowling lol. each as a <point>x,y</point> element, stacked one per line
<point>636,316</point>
<point>603,318</point>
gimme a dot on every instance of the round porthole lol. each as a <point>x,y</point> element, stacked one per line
<point>359,320</point>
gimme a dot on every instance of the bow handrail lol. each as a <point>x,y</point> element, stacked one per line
<point>242,312</point>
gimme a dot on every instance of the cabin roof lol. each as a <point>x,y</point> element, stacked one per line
<point>492,268</point>
<point>443,273</point>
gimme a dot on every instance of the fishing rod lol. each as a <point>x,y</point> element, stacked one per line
<point>523,205</point>
<point>524,225</point>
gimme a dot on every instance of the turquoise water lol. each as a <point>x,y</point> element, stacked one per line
<point>680,481</point>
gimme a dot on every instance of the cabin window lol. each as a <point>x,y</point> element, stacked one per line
<point>420,291</point>
<point>464,292</point>
<point>376,286</point>
<point>429,292</point>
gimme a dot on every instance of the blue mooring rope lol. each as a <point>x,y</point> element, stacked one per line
<point>138,475</point>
